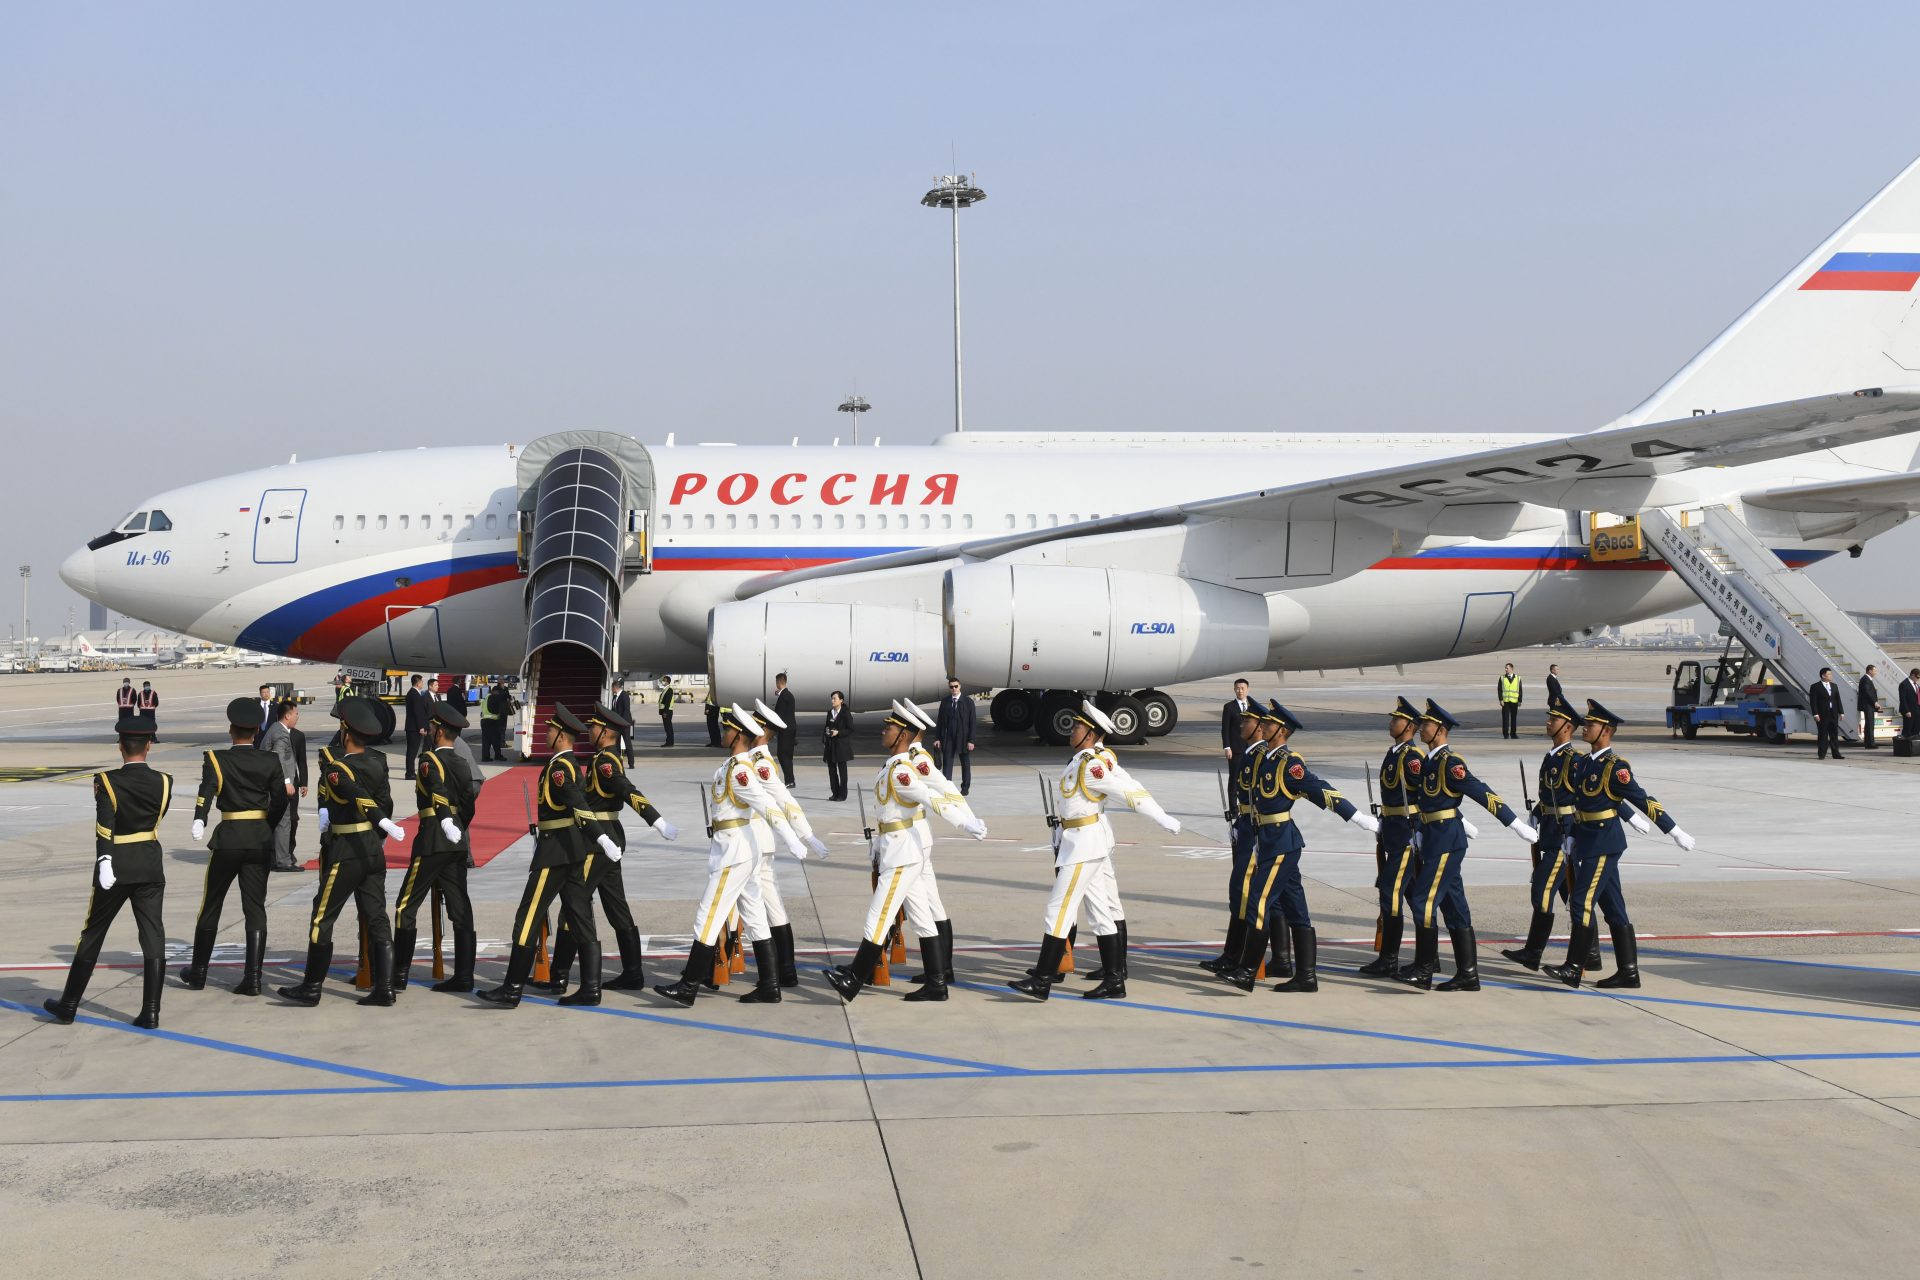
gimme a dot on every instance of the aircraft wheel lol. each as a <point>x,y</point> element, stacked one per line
<point>1012,711</point>
<point>1129,719</point>
<point>1161,713</point>
<point>1057,709</point>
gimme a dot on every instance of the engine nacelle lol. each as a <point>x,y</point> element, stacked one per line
<point>872,654</point>
<point>1026,626</point>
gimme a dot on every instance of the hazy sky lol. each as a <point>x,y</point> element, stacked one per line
<point>229,232</point>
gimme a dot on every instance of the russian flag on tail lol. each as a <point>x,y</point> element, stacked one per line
<point>1867,272</point>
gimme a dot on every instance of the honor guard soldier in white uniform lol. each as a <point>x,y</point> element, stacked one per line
<point>903,795</point>
<point>1394,846</point>
<point>1239,817</point>
<point>1606,794</point>
<point>246,786</point>
<point>1275,889</point>
<point>128,867</point>
<point>608,790</point>
<point>1083,868</point>
<point>949,803</point>
<point>767,767</point>
<point>1445,781</point>
<point>444,793</point>
<point>1553,815</point>
<point>733,868</point>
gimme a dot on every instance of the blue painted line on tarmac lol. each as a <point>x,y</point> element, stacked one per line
<point>1799,964</point>
<point>669,1020</point>
<point>1634,996</point>
<point>245,1050</point>
<point>1256,1020</point>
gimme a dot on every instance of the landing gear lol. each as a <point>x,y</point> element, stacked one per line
<point>1014,711</point>
<point>1128,715</point>
<point>1161,715</point>
<point>1057,709</point>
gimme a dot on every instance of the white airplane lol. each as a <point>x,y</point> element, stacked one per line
<point>1056,561</point>
<point>121,655</point>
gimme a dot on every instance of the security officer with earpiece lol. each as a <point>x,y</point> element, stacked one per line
<point>1394,851</point>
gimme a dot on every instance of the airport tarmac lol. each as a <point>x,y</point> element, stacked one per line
<point>1754,1109</point>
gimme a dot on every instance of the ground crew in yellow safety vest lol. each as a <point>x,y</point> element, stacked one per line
<point>1508,689</point>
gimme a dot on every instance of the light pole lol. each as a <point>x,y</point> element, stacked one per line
<point>26,623</point>
<point>856,406</point>
<point>956,192</point>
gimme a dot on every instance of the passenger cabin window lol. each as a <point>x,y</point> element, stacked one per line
<point>493,522</point>
<point>380,522</point>
<point>859,522</point>
<point>339,523</point>
<point>709,522</point>
<point>966,522</point>
<point>360,522</point>
<point>839,522</point>
<point>753,522</point>
<point>446,521</point>
<point>819,522</point>
<point>733,522</point>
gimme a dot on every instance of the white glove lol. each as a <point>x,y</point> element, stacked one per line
<point>794,847</point>
<point>1365,821</point>
<point>815,845</point>
<point>1473,832</point>
<point>326,820</point>
<point>608,847</point>
<point>1637,820</point>
<point>393,829</point>
<point>1525,832</point>
<point>667,830</point>
<point>1168,823</point>
<point>199,831</point>
<point>1681,838</point>
<point>106,871</point>
<point>975,828</point>
<point>449,830</point>
<point>1566,844</point>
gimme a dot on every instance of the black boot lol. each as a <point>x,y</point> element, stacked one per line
<point>319,956</point>
<point>67,1005</point>
<point>1626,953</point>
<point>1569,972</point>
<point>589,993</point>
<point>194,976</point>
<point>403,940</point>
<point>1105,971</point>
<point>558,967</point>
<point>1306,961</point>
<point>933,950</point>
<point>1253,945</point>
<point>699,969</point>
<point>849,979</point>
<point>766,972</point>
<point>1426,958</point>
<point>1282,963</point>
<point>256,958</point>
<point>1040,985</point>
<point>783,956</point>
<point>1229,958</point>
<point>463,948</point>
<point>463,964</point>
<point>513,986</point>
<point>380,963</point>
<point>945,929</point>
<point>1388,963</point>
<point>1466,962</point>
<point>1594,963</point>
<point>153,980</point>
<point>1054,974</point>
<point>1113,966</point>
<point>1528,956</point>
<point>632,975</point>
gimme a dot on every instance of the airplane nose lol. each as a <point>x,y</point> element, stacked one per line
<point>77,572</point>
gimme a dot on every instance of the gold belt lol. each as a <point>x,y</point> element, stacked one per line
<point>557,824</point>
<point>1398,810</point>
<point>728,824</point>
<point>1245,810</point>
<point>1597,815</point>
<point>128,837</point>
<point>1439,815</point>
<point>1562,811</point>
<point>349,828</point>
<point>240,815</point>
<point>1271,819</point>
<point>1087,821</point>
<point>596,815</point>
<point>892,825</point>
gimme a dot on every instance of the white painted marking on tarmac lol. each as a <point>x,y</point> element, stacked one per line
<point>1792,871</point>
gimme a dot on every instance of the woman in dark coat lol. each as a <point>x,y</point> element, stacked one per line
<point>837,744</point>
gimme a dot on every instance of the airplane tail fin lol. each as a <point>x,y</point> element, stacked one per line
<point>1846,317</point>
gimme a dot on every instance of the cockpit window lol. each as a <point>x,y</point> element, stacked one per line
<point>158,522</point>
<point>136,523</point>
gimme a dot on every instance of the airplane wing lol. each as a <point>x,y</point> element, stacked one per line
<point>1898,492</point>
<point>1494,493</point>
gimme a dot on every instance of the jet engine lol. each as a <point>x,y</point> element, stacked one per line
<point>871,653</point>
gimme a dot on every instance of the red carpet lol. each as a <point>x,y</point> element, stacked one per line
<point>500,819</point>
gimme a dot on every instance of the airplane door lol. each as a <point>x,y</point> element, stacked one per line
<point>276,526</point>
<point>1483,622</point>
<point>413,637</point>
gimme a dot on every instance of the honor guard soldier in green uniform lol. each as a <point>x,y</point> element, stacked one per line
<point>1606,797</point>
<point>356,807</point>
<point>1394,851</point>
<point>249,789</point>
<point>1275,886</point>
<point>564,858</point>
<point>1552,852</point>
<point>1239,816</point>
<point>1445,781</point>
<point>128,804</point>
<point>608,790</point>
<point>445,791</point>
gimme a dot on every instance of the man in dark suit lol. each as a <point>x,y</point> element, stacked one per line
<point>1554,696</point>
<point>622,706</point>
<point>1910,704</point>
<point>954,725</point>
<point>1869,703</point>
<point>1824,697</point>
<point>837,744</point>
<point>789,736</point>
<point>419,711</point>
<point>1231,712</point>
<point>269,714</point>
<point>299,744</point>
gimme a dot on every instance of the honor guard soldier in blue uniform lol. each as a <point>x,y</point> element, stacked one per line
<point>1605,795</point>
<point>608,790</point>
<point>1284,778</point>
<point>128,804</point>
<point>248,787</point>
<point>1445,781</point>
<point>1399,822</point>
<point>563,865</point>
<point>356,807</point>
<point>445,791</point>
<point>1239,816</point>
<point>1553,814</point>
